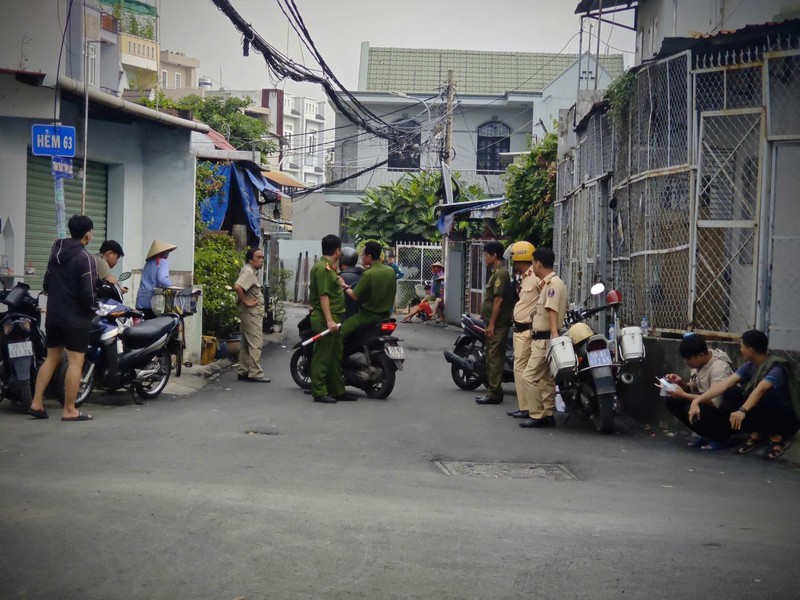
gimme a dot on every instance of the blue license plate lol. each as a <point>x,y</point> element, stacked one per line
<point>599,358</point>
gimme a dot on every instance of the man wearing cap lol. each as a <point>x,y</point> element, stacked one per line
<point>522,258</point>
<point>250,307</point>
<point>551,308</point>
<point>107,259</point>
<point>437,291</point>
<point>155,274</point>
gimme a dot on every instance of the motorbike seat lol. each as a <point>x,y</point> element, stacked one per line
<point>144,334</point>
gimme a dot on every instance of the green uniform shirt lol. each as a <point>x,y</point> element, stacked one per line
<point>499,284</point>
<point>325,282</point>
<point>377,290</point>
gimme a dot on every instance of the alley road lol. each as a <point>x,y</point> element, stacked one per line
<point>176,500</point>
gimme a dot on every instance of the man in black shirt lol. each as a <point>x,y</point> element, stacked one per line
<point>69,284</point>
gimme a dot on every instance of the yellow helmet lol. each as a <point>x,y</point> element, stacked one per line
<point>579,332</point>
<point>522,251</point>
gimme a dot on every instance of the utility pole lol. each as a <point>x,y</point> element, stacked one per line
<point>448,131</point>
<point>451,284</point>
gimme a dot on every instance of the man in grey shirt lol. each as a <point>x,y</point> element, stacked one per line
<point>107,259</point>
<point>707,367</point>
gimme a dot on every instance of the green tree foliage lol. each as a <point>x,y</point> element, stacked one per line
<point>404,210</point>
<point>530,191</point>
<point>216,268</point>
<point>226,115</point>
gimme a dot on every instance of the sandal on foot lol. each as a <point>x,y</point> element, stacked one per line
<point>82,416</point>
<point>39,414</point>
<point>777,449</point>
<point>749,445</point>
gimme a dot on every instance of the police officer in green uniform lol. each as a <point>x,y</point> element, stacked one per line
<point>327,308</point>
<point>375,291</point>
<point>496,311</point>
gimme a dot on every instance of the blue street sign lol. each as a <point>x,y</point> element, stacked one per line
<point>62,167</point>
<point>53,140</point>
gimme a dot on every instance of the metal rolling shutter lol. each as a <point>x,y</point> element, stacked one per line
<point>40,211</point>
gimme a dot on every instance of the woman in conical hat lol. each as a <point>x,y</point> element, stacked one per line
<point>155,274</point>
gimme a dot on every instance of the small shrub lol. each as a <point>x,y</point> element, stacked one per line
<point>216,268</point>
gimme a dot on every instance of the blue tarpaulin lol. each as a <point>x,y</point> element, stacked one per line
<point>249,200</point>
<point>213,210</point>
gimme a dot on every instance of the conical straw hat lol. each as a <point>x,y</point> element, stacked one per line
<point>157,247</point>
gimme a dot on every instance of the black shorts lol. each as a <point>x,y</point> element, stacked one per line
<point>74,339</point>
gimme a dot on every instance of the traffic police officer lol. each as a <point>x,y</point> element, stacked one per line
<point>376,291</point>
<point>551,308</point>
<point>250,307</point>
<point>496,312</point>
<point>327,308</point>
<point>522,258</point>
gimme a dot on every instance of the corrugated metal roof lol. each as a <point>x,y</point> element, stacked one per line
<point>477,72</point>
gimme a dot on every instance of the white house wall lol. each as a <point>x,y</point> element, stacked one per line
<point>701,16</point>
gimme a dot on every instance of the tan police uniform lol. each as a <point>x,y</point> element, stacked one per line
<point>552,296</point>
<point>523,309</point>
<point>252,320</point>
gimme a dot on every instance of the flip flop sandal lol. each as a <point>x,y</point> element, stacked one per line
<point>82,416</point>
<point>777,450</point>
<point>39,414</point>
<point>749,446</point>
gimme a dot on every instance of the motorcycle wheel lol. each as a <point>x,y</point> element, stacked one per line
<point>179,360</point>
<point>464,380</point>
<point>25,395</point>
<point>300,368</point>
<point>151,389</point>
<point>385,384</point>
<point>86,387</point>
<point>604,417</point>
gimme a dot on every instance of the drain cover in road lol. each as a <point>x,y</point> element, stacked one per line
<point>552,471</point>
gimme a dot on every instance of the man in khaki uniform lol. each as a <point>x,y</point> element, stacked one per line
<point>251,314</point>
<point>551,308</point>
<point>522,258</point>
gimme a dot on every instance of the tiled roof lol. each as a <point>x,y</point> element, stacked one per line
<point>476,72</point>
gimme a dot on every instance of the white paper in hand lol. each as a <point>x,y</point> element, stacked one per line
<point>666,386</point>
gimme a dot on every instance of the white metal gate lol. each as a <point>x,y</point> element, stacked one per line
<point>415,262</point>
<point>727,206</point>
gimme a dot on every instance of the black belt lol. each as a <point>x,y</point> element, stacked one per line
<point>521,327</point>
<point>540,335</point>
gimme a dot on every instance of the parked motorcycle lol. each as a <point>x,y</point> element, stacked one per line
<point>372,357</point>
<point>468,358</point>
<point>588,368</point>
<point>125,352</point>
<point>22,349</point>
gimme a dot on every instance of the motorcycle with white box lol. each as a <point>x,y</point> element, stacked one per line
<point>588,368</point>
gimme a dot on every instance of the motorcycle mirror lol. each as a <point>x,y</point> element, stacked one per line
<point>597,288</point>
<point>124,276</point>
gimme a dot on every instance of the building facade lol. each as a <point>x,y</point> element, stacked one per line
<point>682,195</point>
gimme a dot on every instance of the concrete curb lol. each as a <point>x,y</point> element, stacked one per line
<point>195,378</point>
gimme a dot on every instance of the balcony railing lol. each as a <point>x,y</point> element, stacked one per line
<point>109,22</point>
<point>491,183</point>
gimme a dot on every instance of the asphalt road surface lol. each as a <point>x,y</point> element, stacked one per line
<point>178,499</point>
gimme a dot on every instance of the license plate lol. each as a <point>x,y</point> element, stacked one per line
<point>395,352</point>
<point>599,358</point>
<point>20,349</point>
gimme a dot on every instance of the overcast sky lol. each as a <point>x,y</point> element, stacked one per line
<point>339,26</point>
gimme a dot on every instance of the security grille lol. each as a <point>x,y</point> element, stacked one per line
<point>415,260</point>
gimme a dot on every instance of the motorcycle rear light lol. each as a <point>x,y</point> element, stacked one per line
<point>388,326</point>
<point>7,328</point>
<point>597,345</point>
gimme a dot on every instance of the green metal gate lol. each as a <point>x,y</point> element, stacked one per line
<point>40,211</point>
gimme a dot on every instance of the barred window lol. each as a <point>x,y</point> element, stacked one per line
<point>493,138</point>
<point>404,154</point>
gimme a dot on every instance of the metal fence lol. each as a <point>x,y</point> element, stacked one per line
<point>414,260</point>
<point>698,226</point>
